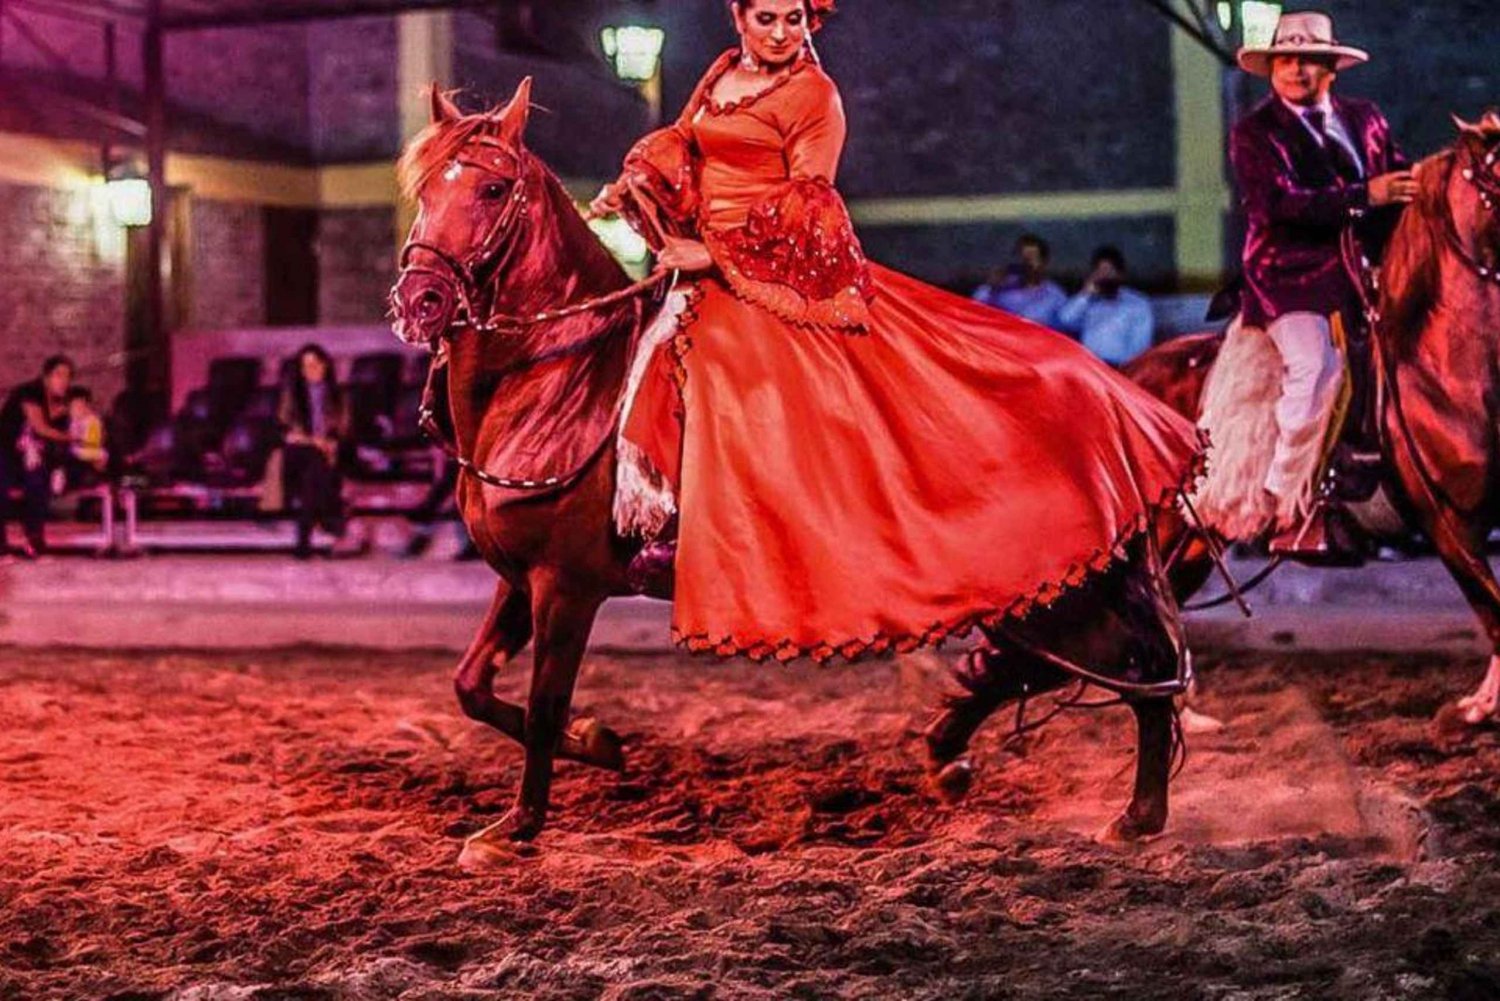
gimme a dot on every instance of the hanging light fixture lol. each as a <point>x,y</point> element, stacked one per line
<point>634,51</point>
<point>1258,22</point>
<point>129,200</point>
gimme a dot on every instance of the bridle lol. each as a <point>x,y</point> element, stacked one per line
<point>466,275</point>
<point>1480,175</point>
<point>483,265</point>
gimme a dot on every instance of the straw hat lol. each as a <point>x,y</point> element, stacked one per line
<point>1306,33</point>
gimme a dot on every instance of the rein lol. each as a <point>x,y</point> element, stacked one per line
<point>1484,182</point>
<point>463,276</point>
<point>427,418</point>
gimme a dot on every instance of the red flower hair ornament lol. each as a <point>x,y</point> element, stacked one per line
<point>820,11</point>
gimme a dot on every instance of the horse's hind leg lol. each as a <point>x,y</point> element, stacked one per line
<point>506,630</point>
<point>988,679</point>
<point>1147,813</point>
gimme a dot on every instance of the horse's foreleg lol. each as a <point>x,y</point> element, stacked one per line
<point>563,622</point>
<point>505,632</point>
<point>1460,542</point>
<point>1147,813</point>
<point>1463,554</point>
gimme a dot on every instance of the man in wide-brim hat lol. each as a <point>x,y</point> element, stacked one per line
<point>1308,166</point>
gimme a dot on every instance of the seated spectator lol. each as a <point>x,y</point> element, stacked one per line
<point>33,436</point>
<point>1023,288</point>
<point>1111,320</point>
<point>315,419</point>
<point>87,457</point>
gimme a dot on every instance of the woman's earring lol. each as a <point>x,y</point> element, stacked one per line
<point>748,62</point>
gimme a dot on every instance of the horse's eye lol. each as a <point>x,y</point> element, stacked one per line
<point>492,192</point>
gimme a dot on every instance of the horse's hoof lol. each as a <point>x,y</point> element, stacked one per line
<point>1194,722</point>
<point>953,781</point>
<point>482,856</point>
<point>598,745</point>
<point>1478,713</point>
<point>1129,830</point>
<point>500,843</point>
<point>1450,728</point>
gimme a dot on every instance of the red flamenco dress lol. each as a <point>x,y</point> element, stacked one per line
<point>862,462</point>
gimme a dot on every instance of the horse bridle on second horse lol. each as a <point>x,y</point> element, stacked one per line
<point>1480,174</point>
<point>467,277</point>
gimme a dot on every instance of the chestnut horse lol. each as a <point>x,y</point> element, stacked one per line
<point>538,324</point>
<point>1437,338</point>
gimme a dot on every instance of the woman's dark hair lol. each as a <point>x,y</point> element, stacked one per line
<point>300,399</point>
<point>56,362</point>
<point>818,11</point>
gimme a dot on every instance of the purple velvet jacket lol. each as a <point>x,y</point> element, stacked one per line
<point>1297,206</point>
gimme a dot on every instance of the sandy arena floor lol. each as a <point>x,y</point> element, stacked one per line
<point>285,826</point>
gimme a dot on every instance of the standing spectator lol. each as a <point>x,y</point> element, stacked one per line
<point>315,418</point>
<point>1023,288</point>
<point>33,430</point>
<point>1111,320</point>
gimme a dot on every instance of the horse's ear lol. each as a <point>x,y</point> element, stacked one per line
<point>1491,121</point>
<point>443,108</point>
<point>514,115</point>
<point>1467,128</point>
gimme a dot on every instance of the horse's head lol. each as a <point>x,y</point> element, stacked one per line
<point>1478,171</point>
<point>472,177</point>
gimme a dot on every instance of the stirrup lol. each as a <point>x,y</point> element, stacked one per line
<point>1322,539</point>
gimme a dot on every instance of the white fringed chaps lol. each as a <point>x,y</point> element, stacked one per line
<point>1239,414</point>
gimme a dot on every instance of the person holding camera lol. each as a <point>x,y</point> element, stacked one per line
<point>1112,321</point>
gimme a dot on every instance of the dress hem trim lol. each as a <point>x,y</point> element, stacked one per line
<point>1078,574</point>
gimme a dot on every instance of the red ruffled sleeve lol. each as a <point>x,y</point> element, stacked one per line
<point>660,184</point>
<point>797,254</point>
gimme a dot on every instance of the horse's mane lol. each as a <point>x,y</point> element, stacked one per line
<point>430,151</point>
<point>1413,261</point>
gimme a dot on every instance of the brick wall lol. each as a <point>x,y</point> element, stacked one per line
<point>256,81</point>
<point>585,119</point>
<point>980,96</point>
<point>352,100</point>
<point>61,286</point>
<point>356,265</point>
<point>226,273</point>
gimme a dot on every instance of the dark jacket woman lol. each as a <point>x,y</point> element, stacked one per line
<point>315,418</point>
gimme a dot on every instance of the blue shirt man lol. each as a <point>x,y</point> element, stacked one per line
<point>1023,289</point>
<point>1112,321</point>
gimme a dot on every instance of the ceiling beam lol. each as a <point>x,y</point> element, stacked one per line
<point>98,11</point>
<point>290,13</point>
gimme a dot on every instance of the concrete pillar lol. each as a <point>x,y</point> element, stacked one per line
<point>1202,188</point>
<point>424,56</point>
